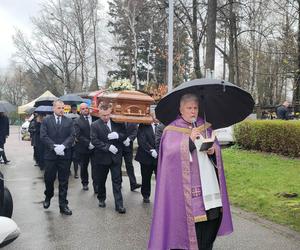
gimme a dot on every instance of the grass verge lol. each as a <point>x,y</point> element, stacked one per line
<point>258,182</point>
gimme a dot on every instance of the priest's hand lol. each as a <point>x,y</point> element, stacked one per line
<point>210,151</point>
<point>194,134</point>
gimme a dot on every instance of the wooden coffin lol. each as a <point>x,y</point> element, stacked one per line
<point>129,106</point>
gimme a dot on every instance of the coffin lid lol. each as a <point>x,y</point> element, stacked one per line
<point>128,95</point>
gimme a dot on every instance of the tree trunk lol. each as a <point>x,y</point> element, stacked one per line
<point>296,94</point>
<point>211,38</point>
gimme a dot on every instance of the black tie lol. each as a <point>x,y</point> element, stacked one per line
<point>58,121</point>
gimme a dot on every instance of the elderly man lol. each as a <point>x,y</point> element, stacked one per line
<point>107,137</point>
<point>191,205</point>
<point>57,133</point>
<point>85,148</point>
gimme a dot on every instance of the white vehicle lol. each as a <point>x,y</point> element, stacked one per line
<point>225,135</point>
<point>24,131</point>
<point>9,231</point>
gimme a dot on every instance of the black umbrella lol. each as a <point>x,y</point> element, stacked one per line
<point>44,109</point>
<point>221,103</point>
<point>7,107</point>
<point>71,99</point>
<point>45,101</point>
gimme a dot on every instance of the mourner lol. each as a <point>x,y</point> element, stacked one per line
<point>57,133</point>
<point>131,133</point>
<point>107,138</point>
<point>147,155</point>
<point>84,146</point>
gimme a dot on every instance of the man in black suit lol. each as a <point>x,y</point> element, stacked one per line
<point>127,151</point>
<point>4,133</point>
<point>57,133</point>
<point>107,137</point>
<point>85,148</point>
<point>147,156</point>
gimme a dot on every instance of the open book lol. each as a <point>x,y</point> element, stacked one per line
<point>203,144</point>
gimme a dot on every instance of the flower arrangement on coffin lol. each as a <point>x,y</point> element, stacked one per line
<point>121,84</point>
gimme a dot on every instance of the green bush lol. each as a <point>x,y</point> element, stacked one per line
<point>276,136</point>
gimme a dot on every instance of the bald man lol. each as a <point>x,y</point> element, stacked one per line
<point>84,147</point>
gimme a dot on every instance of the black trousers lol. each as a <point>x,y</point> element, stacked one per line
<point>147,171</point>
<point>128,157</point>
<point>206,232</point>
<point>2,153</point>
<point>102,171</point>
<point>84,160</point>
<point>62,168</point>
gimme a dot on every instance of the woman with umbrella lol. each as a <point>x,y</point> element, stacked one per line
<point>191,204</point>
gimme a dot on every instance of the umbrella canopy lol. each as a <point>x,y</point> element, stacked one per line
<point>6,107</point>
<point>71,99</point>
<point>44,109</point>
<point>29,110</point>
<point>221,103</point>
<point>45,101</point>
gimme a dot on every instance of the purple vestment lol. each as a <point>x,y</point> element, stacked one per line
<point>178,198</point>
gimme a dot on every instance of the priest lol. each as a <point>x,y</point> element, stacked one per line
<point>191,204</point>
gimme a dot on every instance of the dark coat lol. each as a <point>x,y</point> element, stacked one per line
<point>158,134</point>
<point>282,113</point>
<point>99,132</point>
<point>146,142</point>
<point>82,135</point>
<point>53,134</point>
<point>4,128</point>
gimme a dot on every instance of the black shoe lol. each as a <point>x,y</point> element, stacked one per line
<point>76,176</point>
<point>136,186</point>
<point>102,204</point>
<point>65,210</point>
<point>46,203</point>
<point>6,162</point>
<point>146,200</point>
<point>121,210</point>
<point>85,187</point>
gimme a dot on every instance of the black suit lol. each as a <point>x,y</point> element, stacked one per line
<point>51,134</point>
<point>131,133</point>
<point>83,139</point>
<point>4,132</point>
<point>146,142</point>
<point>104,160</point>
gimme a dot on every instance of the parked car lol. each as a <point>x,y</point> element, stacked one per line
<point>25,135</point>
<point>225,135</point>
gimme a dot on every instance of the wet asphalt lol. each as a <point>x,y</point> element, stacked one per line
<point>91,227</point>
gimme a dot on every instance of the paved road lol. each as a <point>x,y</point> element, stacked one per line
<point>91,227</point>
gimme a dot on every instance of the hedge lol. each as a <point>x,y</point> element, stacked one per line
<point>276,136</point>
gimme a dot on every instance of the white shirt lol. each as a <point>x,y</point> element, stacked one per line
<point>153,126</point>
<point>109,125</point>
<point>56,117</point>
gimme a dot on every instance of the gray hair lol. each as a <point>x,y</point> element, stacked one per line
<point>57,101</point>
<point>187,98</point>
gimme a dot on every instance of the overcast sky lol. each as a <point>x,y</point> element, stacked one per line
<point>14,14</point>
